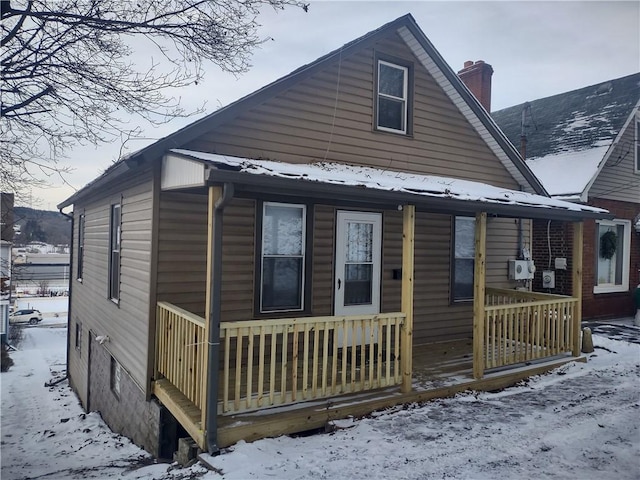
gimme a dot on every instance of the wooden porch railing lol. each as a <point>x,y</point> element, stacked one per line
<point>181,350</point>
<point>284,361</point>
<point>523,326</point>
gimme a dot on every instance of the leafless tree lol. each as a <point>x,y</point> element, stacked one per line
<point>70,75</point>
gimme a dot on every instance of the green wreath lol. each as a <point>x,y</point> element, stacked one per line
<point>608,244</point>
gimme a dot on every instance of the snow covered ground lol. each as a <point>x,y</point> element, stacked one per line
<point>579,421</point>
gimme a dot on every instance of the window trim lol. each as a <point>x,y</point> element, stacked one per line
<point>626,245</point>
<point>81,240</point>
<point>114,294</point>
<point>307,243</point>
<point>453,300</point>
<point>407,67</point>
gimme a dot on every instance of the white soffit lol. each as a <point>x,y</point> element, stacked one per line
<point>179,172</point>
<point>464,108</point>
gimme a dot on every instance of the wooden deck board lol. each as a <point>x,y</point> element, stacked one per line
<point>279,421</point>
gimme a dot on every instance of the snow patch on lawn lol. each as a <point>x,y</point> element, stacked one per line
<point>579,421</point>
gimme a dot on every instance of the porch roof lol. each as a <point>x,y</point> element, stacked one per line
<point>367,185</point>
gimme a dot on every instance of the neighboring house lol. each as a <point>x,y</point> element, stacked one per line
<point>583,146</point>
<point>347,238</point>
<point>41,273</point>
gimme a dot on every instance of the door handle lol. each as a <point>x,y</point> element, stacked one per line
<point>339,283</point>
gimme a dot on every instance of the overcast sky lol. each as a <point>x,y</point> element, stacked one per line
<point>537,49</point>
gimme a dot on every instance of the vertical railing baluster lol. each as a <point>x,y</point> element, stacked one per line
<point>261,351</point>
<point>272,370</point>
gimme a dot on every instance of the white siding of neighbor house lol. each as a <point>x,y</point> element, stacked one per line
<point>618,179</point>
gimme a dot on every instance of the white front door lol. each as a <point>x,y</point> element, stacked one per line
<point>358,259</point>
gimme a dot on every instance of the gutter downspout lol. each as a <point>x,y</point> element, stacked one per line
<point>214,321</point>
<point>70,217</point>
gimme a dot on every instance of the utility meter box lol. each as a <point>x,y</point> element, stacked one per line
<point>548,279</point>
<point>521,269</point>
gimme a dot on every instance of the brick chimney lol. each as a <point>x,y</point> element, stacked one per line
<point>477,77</point>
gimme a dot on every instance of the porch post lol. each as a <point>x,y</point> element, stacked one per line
<point>479,294</point>
<point>209,418</point>
<point>576,289</point>
<point>408,234</point>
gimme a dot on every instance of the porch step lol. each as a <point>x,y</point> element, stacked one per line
<point>183,409</point>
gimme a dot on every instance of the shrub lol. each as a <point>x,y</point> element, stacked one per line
<point>7,362</point>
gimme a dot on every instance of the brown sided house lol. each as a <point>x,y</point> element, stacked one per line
<point>349,237</point>
<point>583,145</point>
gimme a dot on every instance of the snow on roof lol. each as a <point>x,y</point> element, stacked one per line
<point>567,173</point>
<point>388,180</point>
<point>566,132</point>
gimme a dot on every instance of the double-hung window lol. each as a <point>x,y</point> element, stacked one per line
<point>392,97</point>
<point>282,257</point>
<point>613,243</point>
<point>464,254</point>
<point>115,235</point>
<point>80,245</point>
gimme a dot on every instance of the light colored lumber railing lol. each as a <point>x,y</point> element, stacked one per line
<point>524,326</point>
<point>284,361</point>
<point>181,350</point>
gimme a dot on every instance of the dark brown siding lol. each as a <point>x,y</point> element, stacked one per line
<point>306,124</point>
<point>182,250</point>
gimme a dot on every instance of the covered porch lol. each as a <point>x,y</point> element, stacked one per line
<point>294,369</point>
<point>250,379</point>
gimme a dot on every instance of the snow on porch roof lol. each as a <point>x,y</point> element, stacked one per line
<point>383,180</point>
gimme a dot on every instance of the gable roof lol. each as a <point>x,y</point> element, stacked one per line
<point>416,40</point>
<point>571,135</point>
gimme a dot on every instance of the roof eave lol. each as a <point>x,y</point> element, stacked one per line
<point>263,184</point>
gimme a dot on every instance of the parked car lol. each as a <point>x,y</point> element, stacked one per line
<point>30,316</point>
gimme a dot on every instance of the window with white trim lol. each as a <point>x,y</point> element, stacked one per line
<point>464,258</point>
<point>613,243</point>
<point>392,105</point>
<point>282,257</point>
<point>115,235</point>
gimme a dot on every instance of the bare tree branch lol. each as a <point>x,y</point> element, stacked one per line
<point>73,72</point>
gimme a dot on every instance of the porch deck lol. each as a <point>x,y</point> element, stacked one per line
<point>440,370</point>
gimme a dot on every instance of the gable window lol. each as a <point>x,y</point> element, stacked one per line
<point>80,245</point>
<point>392,97</point>
<point>115,235</point>
<point>613,242</point>
<point>282,257</point>
<point>464,255</point>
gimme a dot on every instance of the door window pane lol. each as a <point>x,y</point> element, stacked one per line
<point>359,242</point>
<point>358,284</point>
<point>358,273</point>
